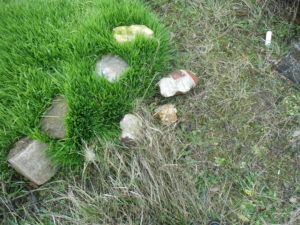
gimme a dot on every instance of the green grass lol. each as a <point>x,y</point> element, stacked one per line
<point>50,48</point>
<point>229,158</point>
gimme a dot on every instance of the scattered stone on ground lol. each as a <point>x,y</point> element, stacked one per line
<point>293,200</point>
<point>28,157</point>
<point>167,114</point>
<point>132,129</point>
<point>111,67</point>
<point>295,136</point>
<point>53,121</point>
<point>290,64</point>
<point>178,82</point>
<point>129,33</point>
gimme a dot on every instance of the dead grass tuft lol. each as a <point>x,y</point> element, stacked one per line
<point>148,184</point>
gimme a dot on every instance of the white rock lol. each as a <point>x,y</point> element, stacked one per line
<point>111,67</point>
<point>168,87</point>
<point>178,82</point>
<point>129,33</point>
<point>28,157</point>
<point>132,129</point>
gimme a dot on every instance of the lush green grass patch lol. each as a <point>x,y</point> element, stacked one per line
<point>50,48</point>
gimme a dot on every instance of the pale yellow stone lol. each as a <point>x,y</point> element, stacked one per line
<point>166,113</point>
<point>129,33</point>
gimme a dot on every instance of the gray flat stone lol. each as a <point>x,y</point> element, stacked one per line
<point>111,67</point>
<point>28,157</point>
<point>290,64</point>
<point>53,119</point>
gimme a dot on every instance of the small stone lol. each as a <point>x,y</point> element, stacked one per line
<point>214,189</point>
<point>167,114</point>
<point>111,67</point>
<point>290,64</point>
<point>53,121</point>
<point>295,136</point>
<point>132,129</point>
<point>178,82</point>
<point>293,200</point>
<point>129,33</point>
<point>29,158</point>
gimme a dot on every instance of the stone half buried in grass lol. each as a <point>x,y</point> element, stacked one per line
<point>129,33</point>
<point>178,82</point>
<point>29,158</point>
<point>132,129</point>
<point>167,114</point>
<point>111,67</point>
<point>53,121</point>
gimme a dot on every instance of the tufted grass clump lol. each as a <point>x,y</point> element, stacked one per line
<point>50,48</point>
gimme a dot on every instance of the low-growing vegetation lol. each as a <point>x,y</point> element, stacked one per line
<point>231,157</point>
<point>51,47</point>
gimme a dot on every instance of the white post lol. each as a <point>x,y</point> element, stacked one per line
<point>268,38</point>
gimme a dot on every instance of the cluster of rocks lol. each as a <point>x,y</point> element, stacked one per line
<point>28,156</point>
<point>110,66</point>
<point>177,83</point>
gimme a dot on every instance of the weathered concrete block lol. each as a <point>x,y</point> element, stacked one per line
<point>111,67</point>
<point>28,157</point>
<point>53,120</point>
